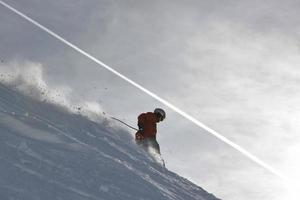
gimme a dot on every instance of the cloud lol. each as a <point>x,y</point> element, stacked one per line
<point>243,77</point>
<point>244,84</point>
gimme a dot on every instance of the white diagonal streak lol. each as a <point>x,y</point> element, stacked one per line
<point>155,96</point>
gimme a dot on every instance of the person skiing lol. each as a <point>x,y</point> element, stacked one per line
<point>146,135</point>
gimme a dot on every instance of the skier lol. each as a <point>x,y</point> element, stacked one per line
<point>146,135</point>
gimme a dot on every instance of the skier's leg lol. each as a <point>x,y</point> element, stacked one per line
<point>151,146</point>
<point>154,150</point>
<point>143,144</point>
<point>154,144</point>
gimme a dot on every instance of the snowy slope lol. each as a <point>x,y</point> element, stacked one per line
<point>49,153</point>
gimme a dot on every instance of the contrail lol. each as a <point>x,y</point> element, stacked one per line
<point>166,103</point>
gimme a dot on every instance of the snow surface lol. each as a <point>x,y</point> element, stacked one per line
<point>49,153</point>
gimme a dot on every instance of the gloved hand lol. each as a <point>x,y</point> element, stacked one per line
<point>139,136</point>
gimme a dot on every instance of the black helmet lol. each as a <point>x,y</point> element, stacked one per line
<point>160,112</point>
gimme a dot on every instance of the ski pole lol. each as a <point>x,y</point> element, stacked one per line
<point>124,123</point>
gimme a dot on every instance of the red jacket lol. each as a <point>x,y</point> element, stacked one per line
<point>147,121</point>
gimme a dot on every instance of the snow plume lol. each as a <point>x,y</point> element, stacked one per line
<point>28,78</point>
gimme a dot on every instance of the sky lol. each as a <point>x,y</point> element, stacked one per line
<point>233,65</point>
